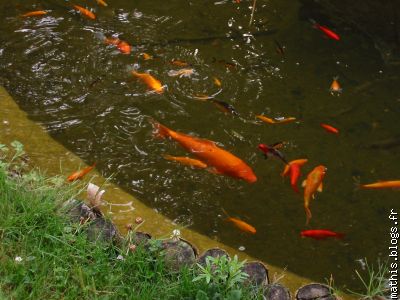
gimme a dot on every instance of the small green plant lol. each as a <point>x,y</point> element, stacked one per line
<point>222,272</point>
<point>375,283</point>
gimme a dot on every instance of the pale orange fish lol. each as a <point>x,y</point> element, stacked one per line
<point>186,161</point>
<point>34,13</point>
<point>391,184</point>
<point>102,2</point>
<point>312,184</point>
<point>146,56</point>
<point>242,225</point>
<point>79,174</point>
<point>299,162</point>
<point>207,151</point>
<point>179,63</point>
<point>181,73</point>
<point>150,81</point>
<point>217,82</point>
<point>202,97</point>
<point>335,86</point>
<point>275,120</point>
<point>87,13</point>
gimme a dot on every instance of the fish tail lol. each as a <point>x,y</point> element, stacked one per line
<point>339,235</point>
<point>160,130</point>
<point>336,77</point>
<point>224,211</point>
<point>101,36</point>
<point>167,157</point>
<point>308,215</point>
<point>295,188</point>
<point>313,23</point>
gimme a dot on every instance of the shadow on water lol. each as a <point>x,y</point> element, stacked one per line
<point>81,91</point>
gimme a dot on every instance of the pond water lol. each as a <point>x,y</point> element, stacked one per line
<point>81,90</point>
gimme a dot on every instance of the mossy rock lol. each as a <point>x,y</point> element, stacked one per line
<point>141,238</point>
<point>76,210</point>
<point>257,271</point>
<point>178,253</point>
<point>315,291</point>
<point>213,252</point>
<point>276,292</point>
<point>104,230</point>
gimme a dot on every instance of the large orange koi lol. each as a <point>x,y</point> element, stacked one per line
<point>207,151</point>
<point>312,184</point>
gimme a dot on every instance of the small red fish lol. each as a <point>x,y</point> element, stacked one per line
<point>294,176</point>
<point>320,234</point>
<point>330,128</point>
<point>79,174</point>
<point>329,33</point>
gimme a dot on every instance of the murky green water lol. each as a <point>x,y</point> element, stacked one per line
<point>81,90</point>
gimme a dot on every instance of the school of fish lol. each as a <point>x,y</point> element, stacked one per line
<point>215,159</point>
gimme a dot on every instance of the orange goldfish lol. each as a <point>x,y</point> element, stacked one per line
<point>102,2</point>
<point>79,174</point>
<point>207,151</point>
<point>187,161</point>
<point>34,13</point>
<point>335,86</point>
<point>392,184</point>
<point>150,81</point>
<point>179,63</point>
<point>299,162</point>
<point>146,56</point>
<point>217,82</point>
<point>242,225</point>
<point>122,46</point>
<point>87,13</point>
<point>330,128</point>
<point>312,184</point>
<point>275,120</point>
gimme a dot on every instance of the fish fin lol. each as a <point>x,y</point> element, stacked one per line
<point>215,171</point>
<point>319,189</point>
<point>160,130</point>
<point>167,156</point>
<point>303,184</point>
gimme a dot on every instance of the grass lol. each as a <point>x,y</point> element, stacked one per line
<point>44,256</point>
<point>375,281</point>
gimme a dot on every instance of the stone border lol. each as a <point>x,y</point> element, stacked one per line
<point>179,253</point>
